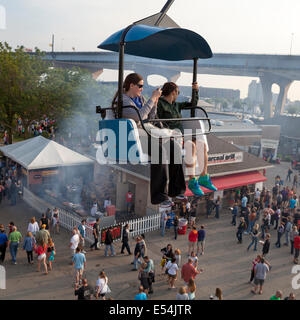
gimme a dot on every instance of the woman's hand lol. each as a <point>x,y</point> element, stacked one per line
<point>195,86</point>
<point>155,95</point>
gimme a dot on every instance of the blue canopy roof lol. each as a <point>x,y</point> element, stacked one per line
<point>172,44</point>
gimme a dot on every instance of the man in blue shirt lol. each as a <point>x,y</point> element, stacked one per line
<point>82,231</point>
<point>3,243</point>
<point>79,263</point>
<point>201,240</point>
<point>141,295</point>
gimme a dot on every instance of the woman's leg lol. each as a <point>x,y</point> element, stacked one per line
<point>28,256</point>
<point>45,265</point>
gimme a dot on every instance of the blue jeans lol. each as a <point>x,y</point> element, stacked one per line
<point>254,241</point>
<point>217,212</point>
<point>287,238</point>
<point>112,250</point>
<point>13,247</point>
<point>250,226</point>
<point>136,262</point>
<point>163,228</point>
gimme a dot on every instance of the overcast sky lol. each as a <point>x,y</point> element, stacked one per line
<point>231,26</point>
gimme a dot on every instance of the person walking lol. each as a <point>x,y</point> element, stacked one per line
<point>235,210</point>
<point>288,230</point>
<point>109,243</point>
<point>41,252</point>
<point>82,231</point>
<point>150,271</point>
<point>164,218</point>
<point>297,248</point>
<point>254,234</point>
<point>176,223</point>
<point>144,277</point>
<point>50,253</point>
<point>260,274</point>
<point>182,294</point>
<point>85,292</point>
<point>188,271</point>
<point>177,253</point>
<point>74,242</point>
<point>277,216</point>
<point>241,228</point>
<point>44,220</point>
<point>288,177</point>
<point>266,245</point>
<point>201,240</point>
<point>280,232</point>
<point>42,236</point>
<point>125,239</point>
<point>252,219</point>
<point>295,181</point>
<point>14,239</point>
<point>137,253</point>
<point>193,237</point>
<point>33,226</point>
<point>294,233</point>
<point>102,286</point>
<point>79,263</point>
<point>3,243</point>
<point>217,207</point>
<point>141,295</point>
<point>55,221</point>
<point>96,234</point>
<point>191,289</point>
<point>172,270</point>
<point>210,205</point>
<point>254,263</point>
<point>29,245</point>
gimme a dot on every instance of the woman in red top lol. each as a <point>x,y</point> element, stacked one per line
<point>193,237</point>
<point>41,251</point>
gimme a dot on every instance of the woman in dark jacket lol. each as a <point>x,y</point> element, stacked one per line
<point>109,243</point>
<point>125,240</point>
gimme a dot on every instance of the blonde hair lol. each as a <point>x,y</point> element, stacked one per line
<point>219,293</point>
<point>50,242</point>
<point>177,251</point>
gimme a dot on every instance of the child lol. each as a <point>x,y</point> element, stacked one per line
<point>194,258</point>
<point>178,257</point>
<point>10,227</point>
<point>29,245</point>
<point>50,253</point>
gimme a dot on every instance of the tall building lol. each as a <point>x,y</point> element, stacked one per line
<point>255,92</point>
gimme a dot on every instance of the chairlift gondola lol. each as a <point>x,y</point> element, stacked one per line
<point>157,37</point>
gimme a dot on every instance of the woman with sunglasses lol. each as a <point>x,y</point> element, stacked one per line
<point>161,172</point>
<point>195,148</point>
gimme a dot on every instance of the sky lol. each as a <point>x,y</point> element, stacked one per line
<point>231,26</point>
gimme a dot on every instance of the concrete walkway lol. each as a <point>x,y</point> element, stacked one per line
<point>226,264</point>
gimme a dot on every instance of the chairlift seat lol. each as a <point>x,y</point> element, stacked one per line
<point>120,142</point>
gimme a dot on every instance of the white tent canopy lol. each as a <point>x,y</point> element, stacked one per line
<point>41,153</point>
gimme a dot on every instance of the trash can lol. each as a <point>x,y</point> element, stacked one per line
<point>182,226</point>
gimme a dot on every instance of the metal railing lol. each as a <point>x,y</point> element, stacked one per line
<point>68,220</point>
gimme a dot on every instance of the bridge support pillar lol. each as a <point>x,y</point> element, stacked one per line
<point>281,100</point>
<point>266,83</point>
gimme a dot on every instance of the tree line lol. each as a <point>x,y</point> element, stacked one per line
<point>31,88</point>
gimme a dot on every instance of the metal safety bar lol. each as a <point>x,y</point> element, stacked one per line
<point>102,111</point>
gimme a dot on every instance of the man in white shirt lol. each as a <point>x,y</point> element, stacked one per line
<point>74,242</point>
<point>257,194</point>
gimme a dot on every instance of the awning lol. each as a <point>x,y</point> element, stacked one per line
<point>232,181</point>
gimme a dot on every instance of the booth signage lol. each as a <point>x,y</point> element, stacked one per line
<point>49,173</point>
<point>37,176</point>
<point>269,144</point>
<point>234,157</point>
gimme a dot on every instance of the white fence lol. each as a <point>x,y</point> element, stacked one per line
<point>68,220</point>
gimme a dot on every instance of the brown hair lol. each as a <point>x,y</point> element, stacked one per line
<point>182,290</point>
<point>32,220</point>
<point>192,285</point>
<point>102,274</point>
<point>219,293</point>
<point>134,78</point>
<point>168,88</point>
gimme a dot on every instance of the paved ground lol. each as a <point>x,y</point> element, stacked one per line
<point>226,264</point>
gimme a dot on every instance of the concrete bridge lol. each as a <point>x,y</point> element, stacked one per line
<point>279,69</point>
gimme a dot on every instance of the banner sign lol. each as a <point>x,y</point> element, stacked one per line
<point>222,158</point>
